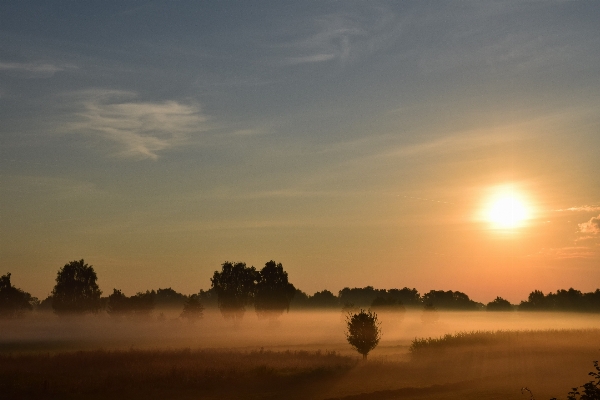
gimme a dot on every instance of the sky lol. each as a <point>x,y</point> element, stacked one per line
<point>358,143</point>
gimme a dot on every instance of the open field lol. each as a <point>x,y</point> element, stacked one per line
<point>304,355</point>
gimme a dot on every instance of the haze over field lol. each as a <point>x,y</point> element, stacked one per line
<point>436,145</point>
<point>299,330</point>
<point>302,356</point>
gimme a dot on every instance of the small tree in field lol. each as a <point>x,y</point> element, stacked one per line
<point>364,331</point>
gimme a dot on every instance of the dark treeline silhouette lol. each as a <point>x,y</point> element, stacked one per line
<point>499,304</point>
<point>268,291</point>
<point>141,304</point>
<point>364,297</point>
<point>562,300</point>
<point>449,300</point>
<point>384,304</point>
<point>14,302</point>
<point>238,286</point>
<point>321,299</point>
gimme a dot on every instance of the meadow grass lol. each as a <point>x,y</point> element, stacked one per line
<point>463,365</point>
<point>487,338</point>
<point>147,373</point>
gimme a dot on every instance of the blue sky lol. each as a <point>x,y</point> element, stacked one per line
<point>354,142</point>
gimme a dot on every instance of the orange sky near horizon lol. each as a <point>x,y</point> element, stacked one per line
<point>357,143</point>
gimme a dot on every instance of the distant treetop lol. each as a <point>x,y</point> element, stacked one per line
<point>76,290</point>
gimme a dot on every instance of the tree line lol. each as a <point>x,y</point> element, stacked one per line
<point>237,287</point>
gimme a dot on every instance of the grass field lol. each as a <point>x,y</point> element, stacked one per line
<point>478,364</point>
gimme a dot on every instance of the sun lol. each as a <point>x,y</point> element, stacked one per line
<point>507,209</point>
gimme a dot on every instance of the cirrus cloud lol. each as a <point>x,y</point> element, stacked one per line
<point>138,129</point>
<point>33,69</point>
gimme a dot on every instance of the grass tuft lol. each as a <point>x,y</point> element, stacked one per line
<point>451,340</point>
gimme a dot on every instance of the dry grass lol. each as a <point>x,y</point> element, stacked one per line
<point>164,374</point>
<point>488,338</point>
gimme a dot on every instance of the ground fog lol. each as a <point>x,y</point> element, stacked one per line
<point>298,355</point>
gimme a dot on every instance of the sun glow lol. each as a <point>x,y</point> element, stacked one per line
<point>506,209</point>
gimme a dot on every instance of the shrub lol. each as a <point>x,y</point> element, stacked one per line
<point>364,331</point>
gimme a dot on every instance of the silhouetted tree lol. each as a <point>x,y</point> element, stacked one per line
<point>562,300</point>
<point>364,297</point>
<point>499,304</point>
<point>449,300</point>
<point>387,304</point>
<point>142,304</point>
<point>14,302</point>
<point>45,305</point>
<point>235,286</point>
<point>535,301</point>
<point>209,298</point>
<point>567,300</point>
<point>591,389</point>
<point>193,308</point>
<point>323,299</point>
<point>76,290</point>
<point>300,300</point>
<point>592,301</point>
<point>408,297</point>
<point>169,298</point>
<point>364,331</point>
<point>273,291</point>
<point>118,303</point>
<point>361,297</point>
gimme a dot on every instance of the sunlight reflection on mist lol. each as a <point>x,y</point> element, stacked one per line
<point>299,330</point>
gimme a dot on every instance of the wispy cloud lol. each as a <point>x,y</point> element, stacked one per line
<point>309,59</point>
<point>592,226</point>
<point>568,252</point>
<point>585,208</point>
<point>139,129</point>
<point>342,36</point>
<point>33,70</point>
<point>331,39</point>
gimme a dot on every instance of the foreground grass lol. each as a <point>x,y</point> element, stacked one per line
<point>163,374</point>
<point>467,365</point>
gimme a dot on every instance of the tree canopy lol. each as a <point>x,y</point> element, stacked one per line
<point>499,304</point>
<point>273,291</point>
<point>141,304</point>
<point>76,290</point>
<point>365,296</point>
<point>562,300</point>
<point>450,300</point>
<point>14,302</point>
<point>193,308</point>
<point>235,286</point>
<point>363,331</point>
<point>387,304</point>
